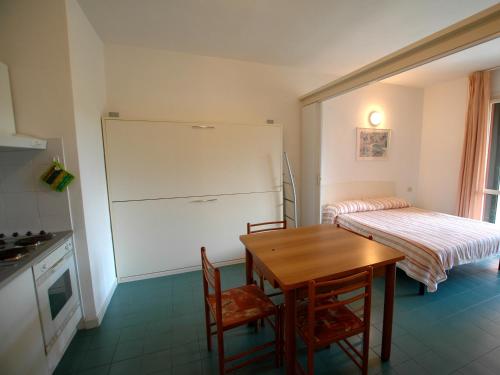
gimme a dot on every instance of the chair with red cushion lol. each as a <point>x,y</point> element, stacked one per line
<point>234,308</point>
<point>334,311</point>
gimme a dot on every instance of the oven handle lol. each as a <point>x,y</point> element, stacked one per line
<point>53,269</point>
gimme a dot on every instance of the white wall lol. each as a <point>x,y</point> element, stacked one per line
<point>38,63</point>
<point>402,110</point>
<point>34,44</point>
<point>86,52</point>
<point>443,131</point>
<point>443,128</point>
<point>155,84</point>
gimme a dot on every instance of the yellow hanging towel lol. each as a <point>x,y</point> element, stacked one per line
<point>57,177</point>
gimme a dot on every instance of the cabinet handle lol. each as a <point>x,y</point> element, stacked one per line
<point>203,127</point>
<point>204,200</point>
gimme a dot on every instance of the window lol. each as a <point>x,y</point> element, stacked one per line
<point>491,209</point>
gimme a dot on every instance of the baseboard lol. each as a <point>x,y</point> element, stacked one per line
<point>177,271</point>
<point>93,323</point>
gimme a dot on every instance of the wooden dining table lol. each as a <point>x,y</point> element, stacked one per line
<point>290,258</point>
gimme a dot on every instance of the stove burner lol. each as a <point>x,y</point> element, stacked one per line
<point>13,254</point>
<point>34,240</point>
<point>14,248</point>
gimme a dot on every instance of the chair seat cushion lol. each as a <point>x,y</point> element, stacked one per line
<point>243,304</point>
<point>330,325</point>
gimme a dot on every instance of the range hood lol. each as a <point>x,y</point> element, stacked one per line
<point>9,139</point>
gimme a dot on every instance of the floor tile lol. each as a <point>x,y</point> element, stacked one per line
<point>97,357</point>
<point>491,360</point>
<point>101,370</point>
<point>156,326</point>
<point>410,367</point>
<point>156,362</point>
<point>476,368</point>
<point>127,350</point>
<point>128,367</point>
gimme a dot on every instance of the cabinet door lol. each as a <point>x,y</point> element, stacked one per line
<point>167,234</point>
<point>21,345</point>
<point>152,160</point>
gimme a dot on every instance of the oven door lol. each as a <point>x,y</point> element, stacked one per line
<point>57,297</point>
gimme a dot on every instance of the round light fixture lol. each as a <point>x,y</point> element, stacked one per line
<point>375,118</point>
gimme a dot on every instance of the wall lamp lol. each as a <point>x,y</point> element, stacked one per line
<point>375,118</point>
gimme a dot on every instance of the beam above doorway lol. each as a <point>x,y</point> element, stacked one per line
<point>474,30</point>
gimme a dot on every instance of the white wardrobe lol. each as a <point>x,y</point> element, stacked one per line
<point>174,187</point>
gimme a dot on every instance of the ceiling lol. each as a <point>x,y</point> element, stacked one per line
<point>460,64</point>
<point>331,36</point>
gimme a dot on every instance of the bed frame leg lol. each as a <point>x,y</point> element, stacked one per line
<point>421,288</point>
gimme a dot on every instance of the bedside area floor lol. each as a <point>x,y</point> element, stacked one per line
<point>156,326</point>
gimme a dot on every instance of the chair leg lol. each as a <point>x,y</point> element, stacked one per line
<point>220,350</point>
<point>208,330</point>
<point>282,335</point>
<point>366,350</point>
<point>421,289</point>
<point>262,287</point>
<point>310,359</point>
<point>277,338</point>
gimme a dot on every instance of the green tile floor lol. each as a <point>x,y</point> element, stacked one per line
<point>156,326</point>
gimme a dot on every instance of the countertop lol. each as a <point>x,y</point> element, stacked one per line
<point>9,272</point>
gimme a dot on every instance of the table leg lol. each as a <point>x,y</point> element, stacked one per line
<point>390,282</point>
<point>249,267</point>
<point>290,350</point>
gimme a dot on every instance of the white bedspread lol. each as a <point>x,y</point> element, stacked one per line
<point>432,242</point>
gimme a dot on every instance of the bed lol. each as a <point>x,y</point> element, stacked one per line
<point>432,242</point>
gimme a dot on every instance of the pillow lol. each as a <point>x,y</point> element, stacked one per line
<point>387,203</point>
<point>331,211</point>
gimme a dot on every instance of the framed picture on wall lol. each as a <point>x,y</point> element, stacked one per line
<point>372,144</point>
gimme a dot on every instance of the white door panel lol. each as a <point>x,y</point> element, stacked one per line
<point>166,235</point>
<point>151,160</point>
<point>310,164</point>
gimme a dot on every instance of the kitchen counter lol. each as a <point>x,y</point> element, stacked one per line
<point>9,272</point>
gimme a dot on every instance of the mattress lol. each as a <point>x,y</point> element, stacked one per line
<point>432,242</point>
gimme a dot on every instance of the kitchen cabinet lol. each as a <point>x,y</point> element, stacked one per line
<point>21,345</point>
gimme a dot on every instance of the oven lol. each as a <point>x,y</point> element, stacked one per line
<point>57,294</point>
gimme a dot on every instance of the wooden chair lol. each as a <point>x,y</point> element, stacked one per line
<point>234,308</point>
<point>265,227</point>
<point>327,316</point>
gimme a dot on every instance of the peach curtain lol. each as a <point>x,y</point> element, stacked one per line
<point>474,155</point>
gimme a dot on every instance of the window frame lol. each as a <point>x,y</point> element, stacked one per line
<point>486,191</point>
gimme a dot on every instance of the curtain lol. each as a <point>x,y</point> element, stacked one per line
<point>474,155</point>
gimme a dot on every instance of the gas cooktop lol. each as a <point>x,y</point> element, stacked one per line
<point>16,247</point>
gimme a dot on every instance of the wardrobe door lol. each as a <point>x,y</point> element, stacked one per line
<point>156,237</point>
<point>153,160</point>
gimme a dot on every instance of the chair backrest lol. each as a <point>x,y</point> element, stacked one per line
<point>211,284</point>
<point>266,227</point>
<point>353,289</point>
